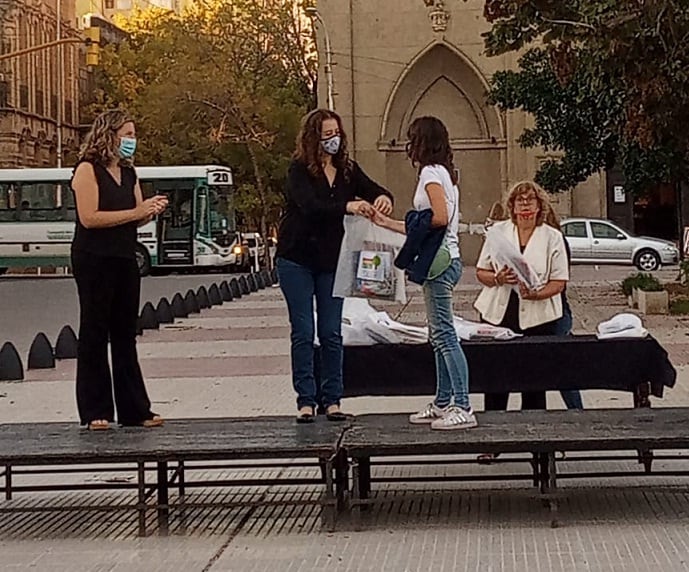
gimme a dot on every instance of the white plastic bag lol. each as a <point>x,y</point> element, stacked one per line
<point>365,268</point>
<point>621,326</point>
<point>468,330</point>
<point>504,253</point>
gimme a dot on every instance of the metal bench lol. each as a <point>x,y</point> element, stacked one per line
<point>60,448</point>
<point>541,434</point>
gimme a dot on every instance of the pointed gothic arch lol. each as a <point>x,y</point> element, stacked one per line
<point>443,81</point>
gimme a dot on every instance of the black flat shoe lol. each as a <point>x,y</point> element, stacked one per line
<point>306,417</point>
<point>337,416</point>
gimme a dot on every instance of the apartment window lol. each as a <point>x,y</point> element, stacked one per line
<point>109,4</point>
<point>39,102</point>
<point>24,97</point>
<point>53,106</point>
<point>4,94</point>
<point>68,112</point>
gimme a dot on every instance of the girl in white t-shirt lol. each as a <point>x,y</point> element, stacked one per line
<point>429,150</point>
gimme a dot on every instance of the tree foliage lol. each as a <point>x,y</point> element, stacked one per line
<point>227,82</point>
<point>606,80</point>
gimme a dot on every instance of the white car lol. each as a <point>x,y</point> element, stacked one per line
<point>597,241</point>
<point>257,246</point>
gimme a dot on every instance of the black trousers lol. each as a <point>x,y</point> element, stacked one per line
<point>530,399</point>
<point>109,289</point>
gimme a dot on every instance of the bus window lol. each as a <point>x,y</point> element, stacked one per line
<point>8,203</point>
<point>148,189</point>
<point>33,202</point>
<point>222,221</point>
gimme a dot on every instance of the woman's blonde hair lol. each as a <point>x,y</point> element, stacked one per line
<point>101,143</point>
<point>552,218</point>
<point>523,188</point>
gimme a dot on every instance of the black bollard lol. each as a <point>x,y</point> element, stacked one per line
<point>235,289</point>
<point>225,291</point>
<point>164,312</point>
<point>251,280</point>
<point>259,280</point>
<point>11,368</point>
<point>41,354</point>
<point>244,285</point>
<point>149,317</point>
<point>66,344</point>
<point>214,295</point>
<point>179,308</point>
<point>202,297</point>
<point>191,303</point>
<point>267,278</point>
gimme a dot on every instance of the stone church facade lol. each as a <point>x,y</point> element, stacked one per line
<point>29,84</point>
<point>395,60</point>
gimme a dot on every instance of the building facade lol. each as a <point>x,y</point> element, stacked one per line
<point>395,60</point>
<point>29,84</point>
<point>123,8</point>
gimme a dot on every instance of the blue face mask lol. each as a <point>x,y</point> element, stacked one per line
<point>127,147</point>
<point>331,145</point>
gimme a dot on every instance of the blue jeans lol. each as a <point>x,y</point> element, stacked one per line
<point>563,327</point>
<point>299,285</point>
<point>452,370</point>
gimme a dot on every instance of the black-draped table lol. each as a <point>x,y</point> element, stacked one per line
<point>538,363</point>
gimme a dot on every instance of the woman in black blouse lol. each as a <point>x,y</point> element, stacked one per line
<point>323,185</point>
<point>110,206</point>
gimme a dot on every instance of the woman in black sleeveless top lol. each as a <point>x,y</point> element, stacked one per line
<point>110,207</point>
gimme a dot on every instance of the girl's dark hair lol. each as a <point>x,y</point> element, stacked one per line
<point>309,150</point>
<point>429,144</point>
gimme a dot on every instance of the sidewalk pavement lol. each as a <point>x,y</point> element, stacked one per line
<point>233,360</point>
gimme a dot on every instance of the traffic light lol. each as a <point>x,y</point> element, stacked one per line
<point>92,45</point>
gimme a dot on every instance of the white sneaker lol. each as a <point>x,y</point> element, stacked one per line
<point>428,414</point>
<point>455,418</point>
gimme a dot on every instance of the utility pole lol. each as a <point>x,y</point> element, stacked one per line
<point>60,82</point>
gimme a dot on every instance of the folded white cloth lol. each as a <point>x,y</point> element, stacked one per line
<point>623,325</point>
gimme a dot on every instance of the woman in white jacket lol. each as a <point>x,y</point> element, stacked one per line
<point>504,301</point>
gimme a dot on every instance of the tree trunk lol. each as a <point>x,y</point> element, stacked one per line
<point>261,188</point>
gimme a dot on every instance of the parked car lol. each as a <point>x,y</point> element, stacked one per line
<point>257,247</point>
<point>599,241</point>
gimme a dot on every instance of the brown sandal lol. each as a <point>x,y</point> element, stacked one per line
<point>155,421</point>
<point>98,425</point>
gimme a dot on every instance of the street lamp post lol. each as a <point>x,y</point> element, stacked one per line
<point>313,13</point>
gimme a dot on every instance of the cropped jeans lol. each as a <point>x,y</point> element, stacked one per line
<point>300,286</point>
<point>452,370</point>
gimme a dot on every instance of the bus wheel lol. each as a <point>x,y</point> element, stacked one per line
<point>3,269</point>
<point>143,260</point>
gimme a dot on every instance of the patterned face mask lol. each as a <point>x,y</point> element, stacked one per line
<point>331,145</point>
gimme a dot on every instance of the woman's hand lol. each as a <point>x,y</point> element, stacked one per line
<point>383,204</point>
<point>527,294</point>
<point>361,208</point>
<point>380,219</point>
<point>152,207</point>
<point>506,276</point>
